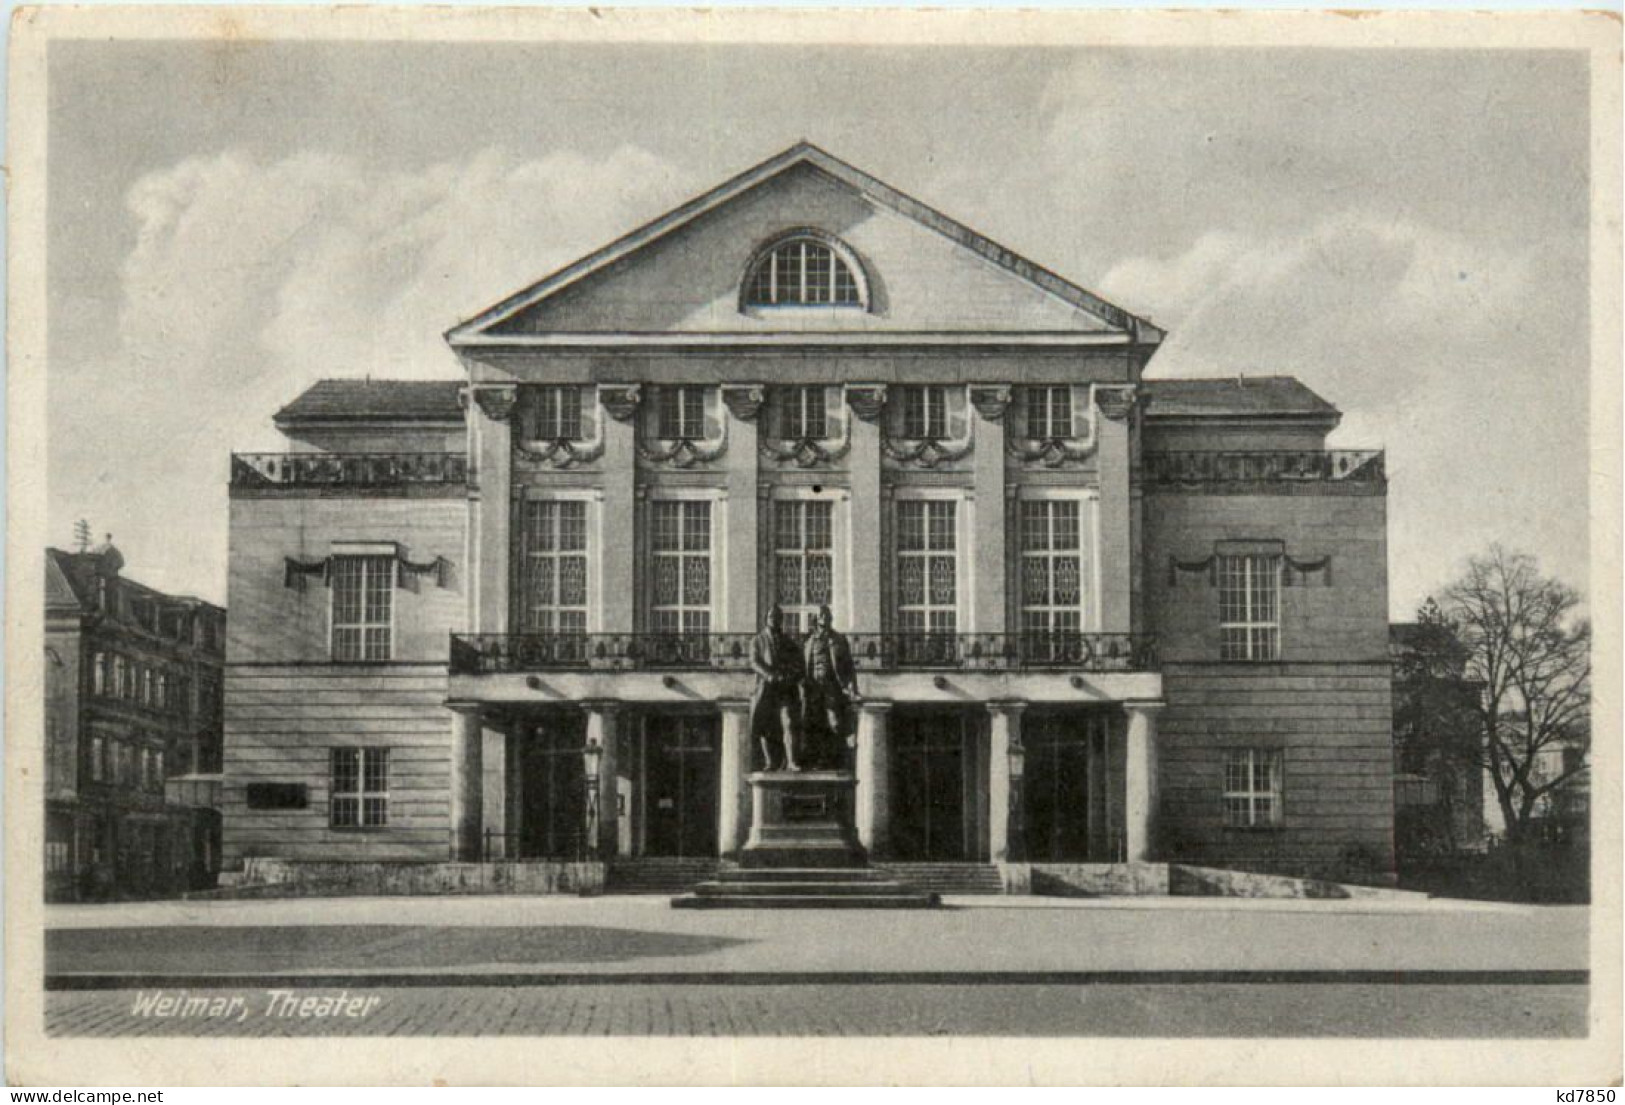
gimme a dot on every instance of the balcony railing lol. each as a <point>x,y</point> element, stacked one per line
<point>494,653</point>
<point>1305,466</point>
<point>361,470</point>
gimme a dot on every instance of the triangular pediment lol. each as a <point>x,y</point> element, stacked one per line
<point>683,274</point>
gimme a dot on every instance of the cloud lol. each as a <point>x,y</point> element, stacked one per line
<point>1459,356</point>
<point>249,279</point>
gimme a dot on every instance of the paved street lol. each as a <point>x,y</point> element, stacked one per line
<point>986,966</point>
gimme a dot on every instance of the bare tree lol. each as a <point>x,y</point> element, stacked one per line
<point>1530,653</point>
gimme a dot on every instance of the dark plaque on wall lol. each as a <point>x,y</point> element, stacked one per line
<point>277,796</point>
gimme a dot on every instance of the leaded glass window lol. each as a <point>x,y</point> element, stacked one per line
<point>680,548</point>
<point>803,559</point>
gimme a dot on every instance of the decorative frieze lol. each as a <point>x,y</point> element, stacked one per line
<point>926,453</point>
<point>562,453</point>
<point>804,452</point>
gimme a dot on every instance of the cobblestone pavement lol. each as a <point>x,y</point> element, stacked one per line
<point>958,1009</point>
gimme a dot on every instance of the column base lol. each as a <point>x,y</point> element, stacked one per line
<point>802,819</point>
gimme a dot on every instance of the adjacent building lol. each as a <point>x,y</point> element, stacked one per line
<point>1097,616</point>
<point>133,696</point>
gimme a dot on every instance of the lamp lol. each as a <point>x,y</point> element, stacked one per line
<point>1016,840</point>
<point>592,756</point>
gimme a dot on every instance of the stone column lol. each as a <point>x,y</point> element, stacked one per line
<point>1140,780</point>
<point>733,811</point>
<point>866,406</point>
<point>467,785</point>
<point>744,403</point>
<point>491,452</point>
<point>1005,733</point>
<point>603,718</point>
<point>616,559</point>
<point>874,781</point>
<point>988,545</point>
<point>1114,410</point>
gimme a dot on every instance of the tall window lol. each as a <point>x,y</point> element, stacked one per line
<point>555,539</point>
<point>558,414</point>
<point>925,412</point>
<point>1252,787</point>
<point>363,600</point>
<point>682,412</point>
<point>681,548</point>
<point>927,577</point>
<point>98,673</point>
<point>1049,413</point>
<point>359,788</point>
<point>803,414</point>
<point>1250,607</point>
<point>124,677</point>
<point>803,557</point>
<point>801,272</point>
<point>97,764</point>
<point>1052,590</point>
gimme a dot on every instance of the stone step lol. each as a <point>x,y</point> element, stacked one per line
<point>784,888</point>
<point>801,874</point>
<point>902,900</point>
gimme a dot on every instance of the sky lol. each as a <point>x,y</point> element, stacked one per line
<point>1405,231</point>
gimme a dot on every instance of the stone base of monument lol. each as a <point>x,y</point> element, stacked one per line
<point>803,852</point>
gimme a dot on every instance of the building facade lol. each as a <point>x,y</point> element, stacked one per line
<point>133,690</point>
<point>1096,617</point>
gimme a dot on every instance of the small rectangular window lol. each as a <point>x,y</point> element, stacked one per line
<point>804,414</point>
<point>1252,788</point>
<point>558,414</point>
<point>925,412</point>
<point>363,604</point>
<point>682,413</point>
<point>1250,607</point>
<point>359,788</point>
<point>1049,413</point>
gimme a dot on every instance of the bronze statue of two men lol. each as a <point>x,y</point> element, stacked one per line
<point>801,710</point>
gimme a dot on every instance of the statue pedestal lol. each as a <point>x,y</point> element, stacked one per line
<point>802,819</point>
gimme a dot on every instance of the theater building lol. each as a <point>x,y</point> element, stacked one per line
<point>1097,617</point>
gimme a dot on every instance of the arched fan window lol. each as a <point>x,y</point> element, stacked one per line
<point>801,271</point>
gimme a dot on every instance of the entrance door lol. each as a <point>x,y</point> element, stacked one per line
<point>928,786</point>
<point>1056,785</point>
<point>553,789</point>
<point>682,780</point>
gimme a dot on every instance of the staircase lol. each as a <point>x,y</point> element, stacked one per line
<point>657,874</point>
<point>804,888</point>
<point>946,878</point>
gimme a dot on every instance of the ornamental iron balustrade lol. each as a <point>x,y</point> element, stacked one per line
<point>1275,466</point>
<point>495,653</point>
<point>278,470</point>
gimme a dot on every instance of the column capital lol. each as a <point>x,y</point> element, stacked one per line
<point>744,401</point>
<point>734,705</point>
<point>876,705</point>
<point>496,400</point>
<point>866,400</point>
<point>990,400</point>
<point>606,706</point>
<point>1143,706</point>
<point>1008,706</point>
<point>620,401</point>
<point>1115,402</point>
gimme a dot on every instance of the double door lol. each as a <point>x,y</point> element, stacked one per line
<point>928,770</point>
<point>681,781</point>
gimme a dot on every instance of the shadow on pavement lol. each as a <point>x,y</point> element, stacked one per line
<point>238,949</point>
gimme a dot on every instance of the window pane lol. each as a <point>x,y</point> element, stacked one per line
<point>910,525</point>
<point>697,526</point>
